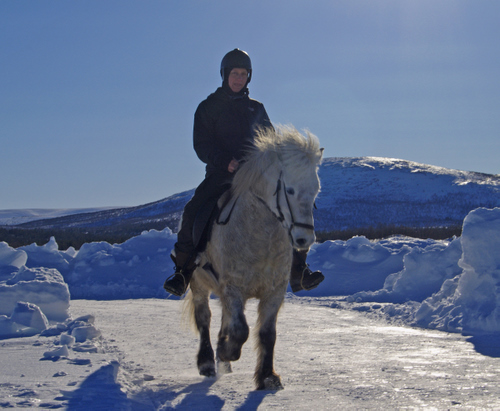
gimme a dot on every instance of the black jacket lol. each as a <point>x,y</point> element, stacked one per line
<point>224,127</point>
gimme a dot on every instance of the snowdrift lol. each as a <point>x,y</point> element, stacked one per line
<point>446,285</point>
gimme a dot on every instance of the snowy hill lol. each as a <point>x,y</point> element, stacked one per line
<point>373,191</point>
<point>356,192</point>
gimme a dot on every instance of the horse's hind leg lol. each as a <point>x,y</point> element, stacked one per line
<point>202,316</point>
<point>265,376</point>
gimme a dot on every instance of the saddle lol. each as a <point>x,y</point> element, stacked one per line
<point>210,214</point>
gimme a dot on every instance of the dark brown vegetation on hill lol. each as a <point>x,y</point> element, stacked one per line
<point>75,237</point>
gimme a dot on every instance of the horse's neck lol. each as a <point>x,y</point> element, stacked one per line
<point>255,211</point>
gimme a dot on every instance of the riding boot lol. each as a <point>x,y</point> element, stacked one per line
<point>178,282</point>
<point>301,276</point>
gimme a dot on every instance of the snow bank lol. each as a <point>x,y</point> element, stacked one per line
<point>26,320</point>
<point>49,255</point>
<point>479,286</point>
<point>44,287</point>
<point>10,260</point>
<point>135,269</point>
<point>470,302</point>
<point>354,265</point>
<point>449,285</point>
<point>424,271</point>
<point>45,276</point>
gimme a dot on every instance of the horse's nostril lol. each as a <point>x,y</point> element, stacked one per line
<point>301,242</point>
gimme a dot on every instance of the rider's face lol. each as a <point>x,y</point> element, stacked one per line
<point>237,79</point>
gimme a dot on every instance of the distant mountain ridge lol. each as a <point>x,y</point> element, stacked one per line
<point>12,217</point>
<point>355,192</point>
<point>167,211</point>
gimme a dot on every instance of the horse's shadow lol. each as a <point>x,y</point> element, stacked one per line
<point>253,400</point>
<point>194,397</point>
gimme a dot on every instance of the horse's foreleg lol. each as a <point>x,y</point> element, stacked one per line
<point>265,376</point>
<point>234,330</point>
<point>202,316</point>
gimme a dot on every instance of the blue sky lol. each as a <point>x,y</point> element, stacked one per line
<point>97,97</point>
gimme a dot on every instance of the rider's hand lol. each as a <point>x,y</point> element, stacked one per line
<point>233,166</point>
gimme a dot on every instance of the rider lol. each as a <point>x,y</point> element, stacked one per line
<point>224,127</point>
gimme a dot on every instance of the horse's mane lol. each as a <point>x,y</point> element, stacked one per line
<point>283,148</point>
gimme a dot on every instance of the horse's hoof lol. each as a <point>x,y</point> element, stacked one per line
<point>208,370</point>
<point>271,383</point>
<point>223,367</point>
<point>229,352</point>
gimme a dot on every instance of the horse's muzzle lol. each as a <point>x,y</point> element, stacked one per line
<point>302,238</point>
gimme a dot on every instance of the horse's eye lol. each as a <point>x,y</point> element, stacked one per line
<point>290,191</point>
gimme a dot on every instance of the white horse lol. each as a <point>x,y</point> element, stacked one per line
<point>267,214</point>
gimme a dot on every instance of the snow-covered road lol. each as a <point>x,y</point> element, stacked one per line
<point>332,352</point>
<point>328,359</point>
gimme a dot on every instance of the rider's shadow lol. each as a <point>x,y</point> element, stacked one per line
<point>99,391</point>
<point>488,344</point>
<point>194,397</point>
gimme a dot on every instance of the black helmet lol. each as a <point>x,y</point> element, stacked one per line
<point>235,59</point>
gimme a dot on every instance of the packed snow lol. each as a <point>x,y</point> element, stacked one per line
<point>451,285</point>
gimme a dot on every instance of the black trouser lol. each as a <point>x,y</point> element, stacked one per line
<point>214,185</point>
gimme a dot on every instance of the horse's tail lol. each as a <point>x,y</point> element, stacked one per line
<point>188,320</point>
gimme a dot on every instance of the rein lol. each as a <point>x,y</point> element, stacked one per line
<point>224,222</point>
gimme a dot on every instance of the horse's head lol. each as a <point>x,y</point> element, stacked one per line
<point>299,157</point>
<point>289,183</point>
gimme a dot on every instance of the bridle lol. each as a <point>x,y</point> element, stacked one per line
<point>281,217</point>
